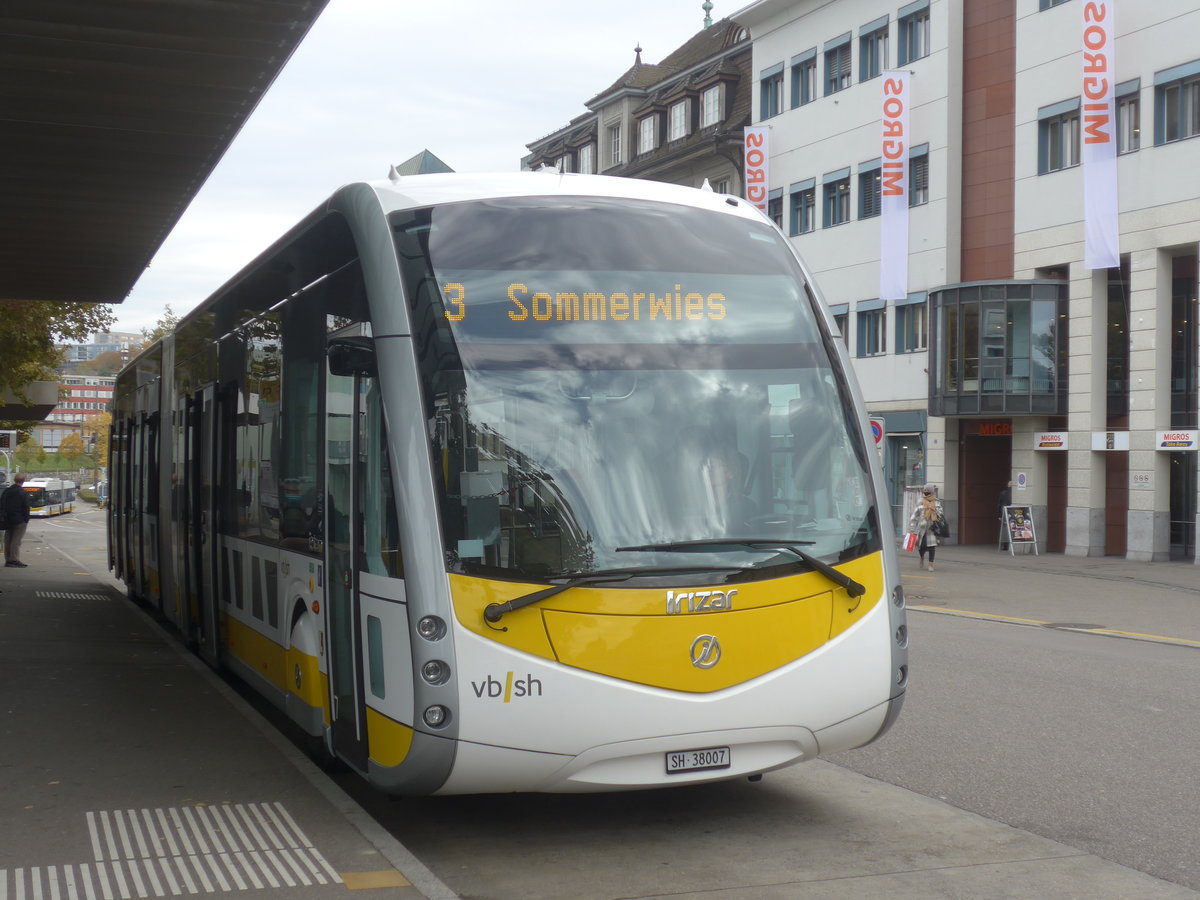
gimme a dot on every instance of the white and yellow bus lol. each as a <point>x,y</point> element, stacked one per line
<point>528,482</point>
<point>50,496</point>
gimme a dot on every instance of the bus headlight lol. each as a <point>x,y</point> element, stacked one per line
<point>436,716</point>
<point>435,672</point>
<point>431,628</point>
<point>898,597</point>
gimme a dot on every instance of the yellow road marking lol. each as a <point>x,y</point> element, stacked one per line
<point>1115,632</point>
<point>363,881</point>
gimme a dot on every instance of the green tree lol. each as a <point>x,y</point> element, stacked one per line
<point>71,448</point>
<point>162,327</point>
<point>107,363</point>
<point>33,329</point>
<point>100,425</point>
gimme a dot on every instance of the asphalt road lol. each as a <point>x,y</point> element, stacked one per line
<point>1088,740</point>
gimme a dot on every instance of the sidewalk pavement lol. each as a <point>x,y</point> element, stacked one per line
<point>1145,600</point>
<point>129,769</point>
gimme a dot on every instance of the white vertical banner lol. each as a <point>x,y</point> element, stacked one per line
<point>1098,136</point>
<point>893,188</point>
<point>754,157</point>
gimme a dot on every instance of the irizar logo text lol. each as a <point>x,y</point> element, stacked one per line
<point>511,688</point>
<point>699,601</point>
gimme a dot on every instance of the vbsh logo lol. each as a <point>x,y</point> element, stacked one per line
<point>510,688</point>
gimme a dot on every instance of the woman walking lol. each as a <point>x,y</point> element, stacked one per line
<point>928,511</point>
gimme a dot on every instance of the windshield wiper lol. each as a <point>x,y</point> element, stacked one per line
<point>853,588</point>
<point>494,612</point>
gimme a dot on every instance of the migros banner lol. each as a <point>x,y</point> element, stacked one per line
<point>754,155</point>
<point>893,188</point>
<point>1098,133</point>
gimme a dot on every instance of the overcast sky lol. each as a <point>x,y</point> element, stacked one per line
<point>377,81</point>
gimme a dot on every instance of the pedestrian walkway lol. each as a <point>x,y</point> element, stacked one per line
<point>128,769</point>
<point>1110,595</point>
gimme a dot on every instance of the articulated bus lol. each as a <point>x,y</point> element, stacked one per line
<point>50,496</point>
<point>528,482</point>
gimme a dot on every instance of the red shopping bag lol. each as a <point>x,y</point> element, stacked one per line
<point>910,542</point>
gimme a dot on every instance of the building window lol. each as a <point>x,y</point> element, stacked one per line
<point>842,321</point>
<point>999,347</point>
<point>613,134</point>
<point>1058,136</point>
<point>912,329</point>
<point>804,209</point>
<point>587,159</point>
<point>678,125</point>
<point>918,176</point>
<point>913,33</point>
<point>770,92</point>
<point>721,186</point>
<point>563,163</point>
<point>1129,118</point>
<point>1177,103</point>
<point>710,106</point>
<point>1047,4</point>
<point>775,207</point>
<point>647,134</point>
<point>837,199</point>
<point>873,49</point>
<point>804,78</point>
<point>872,330</point>
<point>837,65</point>
<point>868,190</point>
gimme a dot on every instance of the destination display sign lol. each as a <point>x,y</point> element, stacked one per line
<point>625,307</point>
<point>563,270</point>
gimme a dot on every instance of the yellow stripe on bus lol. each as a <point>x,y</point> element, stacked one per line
<point>257,651</point>
<point>388,741</point>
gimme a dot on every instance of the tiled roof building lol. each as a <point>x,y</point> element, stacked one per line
<point>678,121</point>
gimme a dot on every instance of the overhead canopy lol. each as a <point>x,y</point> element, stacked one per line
<point>112,115</point>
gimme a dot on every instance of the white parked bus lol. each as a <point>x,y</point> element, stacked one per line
<point>528,482</point>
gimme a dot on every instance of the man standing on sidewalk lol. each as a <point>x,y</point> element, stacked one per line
<point>1005,499</point>
<point>15,503</point>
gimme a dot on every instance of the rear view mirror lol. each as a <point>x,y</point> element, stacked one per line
<point>351,356</point>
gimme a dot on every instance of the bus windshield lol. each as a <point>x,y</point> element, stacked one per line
<point>604,374</point>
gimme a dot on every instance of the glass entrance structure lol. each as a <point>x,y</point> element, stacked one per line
<point>998,348</point>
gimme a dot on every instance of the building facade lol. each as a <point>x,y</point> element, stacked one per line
<point>1009,360</point>
<point>82,398</point>
<point>112,342</point>
<point>678,121</point>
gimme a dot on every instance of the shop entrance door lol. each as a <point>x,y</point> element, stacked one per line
<point>985,466</point>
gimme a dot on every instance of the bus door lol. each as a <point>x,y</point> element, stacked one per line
<point>133,507</point>
<point>114,462</point>
<point>199,525</point>
<point>346,394</point>
<point>119,502</point>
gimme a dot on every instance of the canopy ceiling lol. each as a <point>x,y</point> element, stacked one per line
<point>112,115</point>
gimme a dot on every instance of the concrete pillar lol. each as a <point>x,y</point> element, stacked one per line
<point>1087,410</point>
<point>1034,465</point>
<point>1149,525</point>
<point>941,464</point>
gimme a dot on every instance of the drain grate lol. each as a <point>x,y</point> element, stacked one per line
<point>69,595</point>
